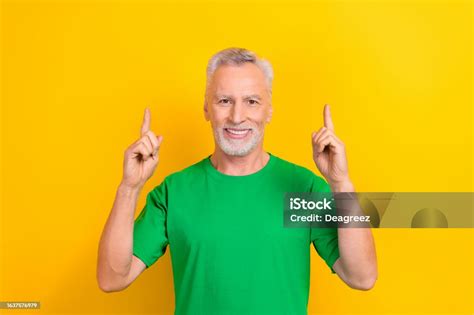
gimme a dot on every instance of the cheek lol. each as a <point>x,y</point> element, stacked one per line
<point>259,117</point>
<point>217,117</point>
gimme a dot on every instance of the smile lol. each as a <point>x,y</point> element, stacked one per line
<point>236,133</point>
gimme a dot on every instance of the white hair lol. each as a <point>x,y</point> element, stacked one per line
<point>238,56</point>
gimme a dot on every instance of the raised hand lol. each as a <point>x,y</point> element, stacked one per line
<point>141,158</point>
<point>329,152</point>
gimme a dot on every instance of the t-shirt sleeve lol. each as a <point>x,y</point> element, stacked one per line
<point>325,240</point>
<point>150,236</point>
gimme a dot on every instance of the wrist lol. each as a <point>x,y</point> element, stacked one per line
<point>127,190</point>
<point>342,186</point>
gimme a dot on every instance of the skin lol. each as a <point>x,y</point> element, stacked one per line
<point>357,264</point>
<point>237,96</point>
<point>228,102</point>
<point>117,268</point>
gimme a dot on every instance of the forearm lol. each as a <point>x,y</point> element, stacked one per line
<point>116,243</point>
<point>356,248</point>
<point>357,256</point>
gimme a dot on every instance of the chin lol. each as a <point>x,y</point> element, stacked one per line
<point>241,150</point>
<point>237,147</point>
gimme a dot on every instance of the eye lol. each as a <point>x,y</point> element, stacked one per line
<point>224,101</point>
<point>253,102</point>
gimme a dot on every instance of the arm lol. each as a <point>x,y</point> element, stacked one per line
<point>117,268</point>
<point>357,264</point>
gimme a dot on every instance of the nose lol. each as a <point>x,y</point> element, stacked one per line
<point>237,114</point>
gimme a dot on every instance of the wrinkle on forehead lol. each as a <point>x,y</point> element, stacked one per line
<point>238,80</point>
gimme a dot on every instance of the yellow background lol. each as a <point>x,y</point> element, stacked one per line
<point>76,76</point>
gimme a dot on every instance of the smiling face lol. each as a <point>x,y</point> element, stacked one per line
<point>238,105</point>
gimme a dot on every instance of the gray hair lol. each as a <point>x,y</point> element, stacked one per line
<point>238,56</point>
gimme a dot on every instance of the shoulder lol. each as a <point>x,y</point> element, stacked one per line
<point>185,176</point>
<point>298,174</point>
<point>293,169</point>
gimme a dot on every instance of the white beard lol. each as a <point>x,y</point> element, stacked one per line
<point>237,147</point>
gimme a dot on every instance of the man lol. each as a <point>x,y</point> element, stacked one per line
<point>222,217</point>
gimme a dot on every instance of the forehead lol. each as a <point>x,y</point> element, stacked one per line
<point>245,78</point>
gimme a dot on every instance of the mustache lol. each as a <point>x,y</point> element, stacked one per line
<point>230,126</point>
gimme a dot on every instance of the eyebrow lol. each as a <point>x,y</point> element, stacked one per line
<point>256,96</point>
<point>219,96</point>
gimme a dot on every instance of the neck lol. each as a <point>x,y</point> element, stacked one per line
<point>239,165</point>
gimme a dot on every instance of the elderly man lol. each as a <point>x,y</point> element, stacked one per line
<point>222,216</point>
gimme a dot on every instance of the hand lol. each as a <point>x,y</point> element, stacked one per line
<point>329,153</point>
<point>141,158</point>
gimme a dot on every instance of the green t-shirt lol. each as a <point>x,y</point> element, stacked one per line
<point>230,253</point>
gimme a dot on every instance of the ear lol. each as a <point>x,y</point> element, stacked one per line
<point>270,114</point>
<point>206,111</point>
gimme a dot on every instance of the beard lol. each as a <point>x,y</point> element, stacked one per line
<point>238,147</point>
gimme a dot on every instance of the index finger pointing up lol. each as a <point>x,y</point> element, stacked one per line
<point>146,122</point>
<point>327,118</point>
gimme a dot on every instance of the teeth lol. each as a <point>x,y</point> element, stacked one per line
<point>237,131</point>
